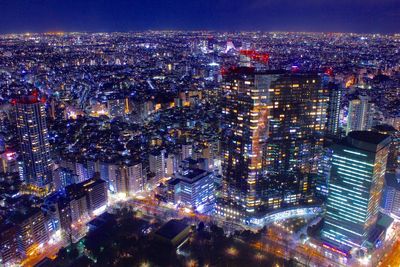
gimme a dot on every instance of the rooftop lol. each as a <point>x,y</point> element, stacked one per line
<point>368,136</point>
<point>367,140</point>
<point>171,229</point>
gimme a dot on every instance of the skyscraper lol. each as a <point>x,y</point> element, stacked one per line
<point>391,196</point>
<point>333,112</point>
<point>355,188</point>
<point>359,117</point>
<point>244,132</point>
<point>34,143</point>
<point>296,122</point>
<point>272,130</point>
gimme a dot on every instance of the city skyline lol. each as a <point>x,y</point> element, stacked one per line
<point>148,148</point>
<point>222,15</point>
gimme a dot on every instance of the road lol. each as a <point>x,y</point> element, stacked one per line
<point>49,251</point>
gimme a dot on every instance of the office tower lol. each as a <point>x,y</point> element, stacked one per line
<point>272,135</point>
<point>297,122</point>
<point>360,114</point>
<point>391,195</point>
<point>335,97</point>
<point>34,143</point>
<point>192,187</point>
<point>355,188</point>
<point>324,172</point>
<point>393,161</point>
<point>244,132</point>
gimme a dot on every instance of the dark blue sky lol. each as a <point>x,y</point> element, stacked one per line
<point>129,15</point>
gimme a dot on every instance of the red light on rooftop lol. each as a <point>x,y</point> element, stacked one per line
<point>329,71</point>
<point>13,101</point>
<point>295,69</point>
<point>261,57</point>
<point>223,71</point>
<point>35,93</point>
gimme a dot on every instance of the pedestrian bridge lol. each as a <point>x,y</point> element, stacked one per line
<point>288,213</point>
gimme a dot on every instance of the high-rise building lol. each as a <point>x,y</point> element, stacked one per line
<point>333,112</point>
<point>355,188</point>
<point>34,143</point>
<point>391,196</point>
<point>393,161</point>
<point>244,132</point>
<point>124,177</point>
<point>157,163</point>
<point>31,230</point>
<point>324,172</point>
<point>297,122</point>
<point>272,133</point>
<point>360,114</point>
<point>93,192</point>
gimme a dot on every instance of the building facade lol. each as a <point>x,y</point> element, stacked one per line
<point>360,114</point>
<point>272,134</point>
<point>355,188</point>
<point>34,142</point>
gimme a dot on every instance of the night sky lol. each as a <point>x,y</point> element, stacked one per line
<point>366,16</point>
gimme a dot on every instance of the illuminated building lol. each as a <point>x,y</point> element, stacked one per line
<point>8,162</point>
<point>96,195</point>
<point>63,177</point>
<point>85,170</point>
<point>8,245</point>
<point>359,117</point>
<point>93,190</point>
<point>126,177</point>
<point>244,132</point>
<point>324,171</point>
<point>78,208</point>
<point>297,122</point>
<point>117,107</point>
<point>187,150</point>
<point>391,196</point>
<point>192,187</point>
<point>157,163</point>
<point>31,230</point>
<point>393,161</point>
<point>34,143</point>
<point>273,129</point>
<point>333,111</point>
<point>355,188</point>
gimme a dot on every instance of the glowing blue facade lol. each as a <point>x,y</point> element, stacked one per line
<point>355,188</point>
